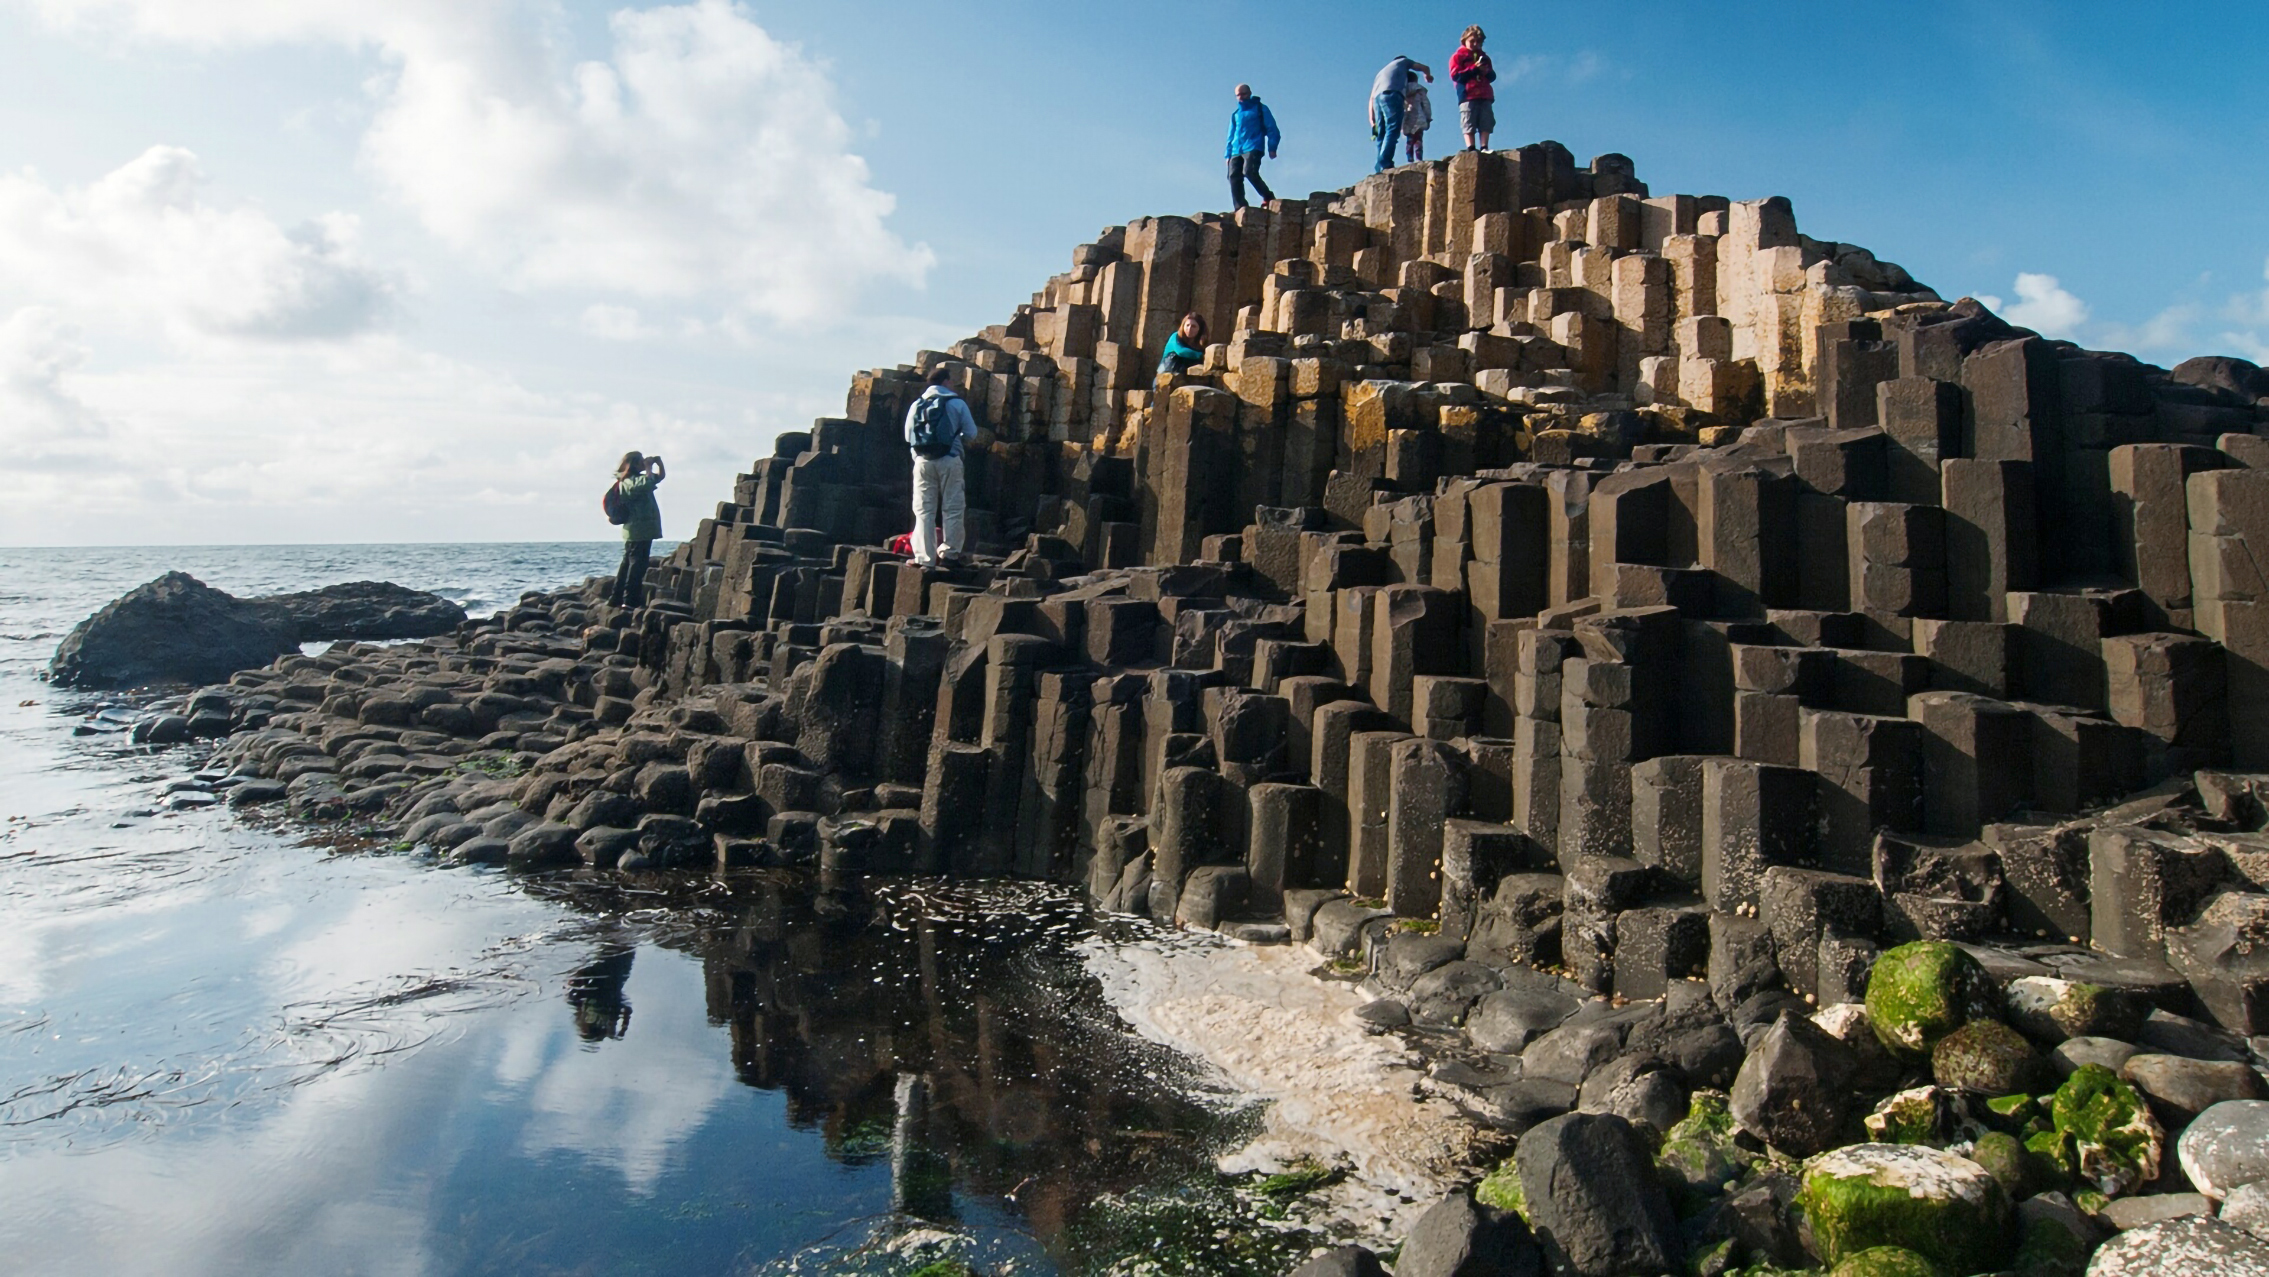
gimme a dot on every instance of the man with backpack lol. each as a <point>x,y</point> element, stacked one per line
<point>937,424</point>
<point>630,502</point>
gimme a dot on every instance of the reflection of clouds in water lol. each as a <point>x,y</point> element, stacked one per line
<point>294,1192</point>
<point>382,932</point>
<point>22,966</point>
<point>631,1102</point>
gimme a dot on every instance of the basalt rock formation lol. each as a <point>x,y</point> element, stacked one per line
<point>1546,591</point>
<point>366,610</point>
<point>177,629</point>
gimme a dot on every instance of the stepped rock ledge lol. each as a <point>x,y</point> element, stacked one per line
<point>1699,685</point>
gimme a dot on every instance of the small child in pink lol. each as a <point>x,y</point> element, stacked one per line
<point>1417,117</point>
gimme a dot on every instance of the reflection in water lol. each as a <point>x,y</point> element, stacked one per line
<point>595,992</point>
<point>947,1030</point>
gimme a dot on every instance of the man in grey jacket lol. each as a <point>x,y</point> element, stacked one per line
<point>937,425</point>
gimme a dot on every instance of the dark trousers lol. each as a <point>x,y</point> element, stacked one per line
<point>1247,168</point>
<point>630,578</point>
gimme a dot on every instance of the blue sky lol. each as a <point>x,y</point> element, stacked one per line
<point>305,270</point>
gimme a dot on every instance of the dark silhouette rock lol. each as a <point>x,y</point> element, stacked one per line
<point>1342,1261</point>
<point>2223,372</point>
<point>366,610</point>
<point>175,629</point>
<point>1594,1199</point>
<point>1459,1237</point>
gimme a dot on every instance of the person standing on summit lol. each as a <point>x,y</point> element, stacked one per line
<point>937,424</point>
<point>1476,78</point>
<point>1386,105</point>
<point>1252,129</point>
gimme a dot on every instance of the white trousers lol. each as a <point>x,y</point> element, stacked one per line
<point>937,483</point>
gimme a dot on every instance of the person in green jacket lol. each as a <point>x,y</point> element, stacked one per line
<point>635,479</point>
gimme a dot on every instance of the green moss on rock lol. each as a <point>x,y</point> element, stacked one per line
<point>1988,1057</point>
<point>2020,1115</point>
<point>1886,1261</point>
<point>2052,1151</point>
<point>1502,1189</point>
<point>1713,1260</point>
<point>1699,1157</point>
<point>1943,1207</point>
<point>2115,1142</point>
<point>2050,1250</point>
<point>2006,1160</point>
<point>1920,992</point>
<point>1922,1115</point>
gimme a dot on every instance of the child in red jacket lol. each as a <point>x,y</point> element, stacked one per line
<point>1476,78</point>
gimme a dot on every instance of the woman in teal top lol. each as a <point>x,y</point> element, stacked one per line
<point>641,526</point>
<point>1186,348</point>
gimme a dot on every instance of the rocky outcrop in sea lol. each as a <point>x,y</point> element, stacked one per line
<point>177,629</point>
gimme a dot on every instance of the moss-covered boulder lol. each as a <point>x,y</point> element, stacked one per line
<point>2114,1142</point>
<point>1920,992</point>
<point>1887,1261</point>
<point>1919,1115</point>
<point>1944,1207</point>
<point>1699,1159</point>
<point>2004,1158</point>
<point>1988,1057</point>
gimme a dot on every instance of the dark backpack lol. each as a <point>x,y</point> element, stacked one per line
<point>935,431</point>
<point>617,509</point>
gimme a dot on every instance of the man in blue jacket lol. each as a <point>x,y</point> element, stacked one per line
<point>1252,129</point>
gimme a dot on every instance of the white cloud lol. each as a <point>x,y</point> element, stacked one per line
<point>142,245</point>
<point>2042,305</point>
<point>702,159</point>
<point>2252,311</point>
<point>613,323</point>
<point>367,439</point>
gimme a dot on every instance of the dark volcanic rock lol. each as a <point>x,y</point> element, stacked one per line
<point>175,629</point>
<point>1459,1237</point>
<point>1594,1199</point>
<point>366,610</point>
<point>1794,1090</point>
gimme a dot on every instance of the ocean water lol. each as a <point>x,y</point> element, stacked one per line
<point>231,1045</point>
